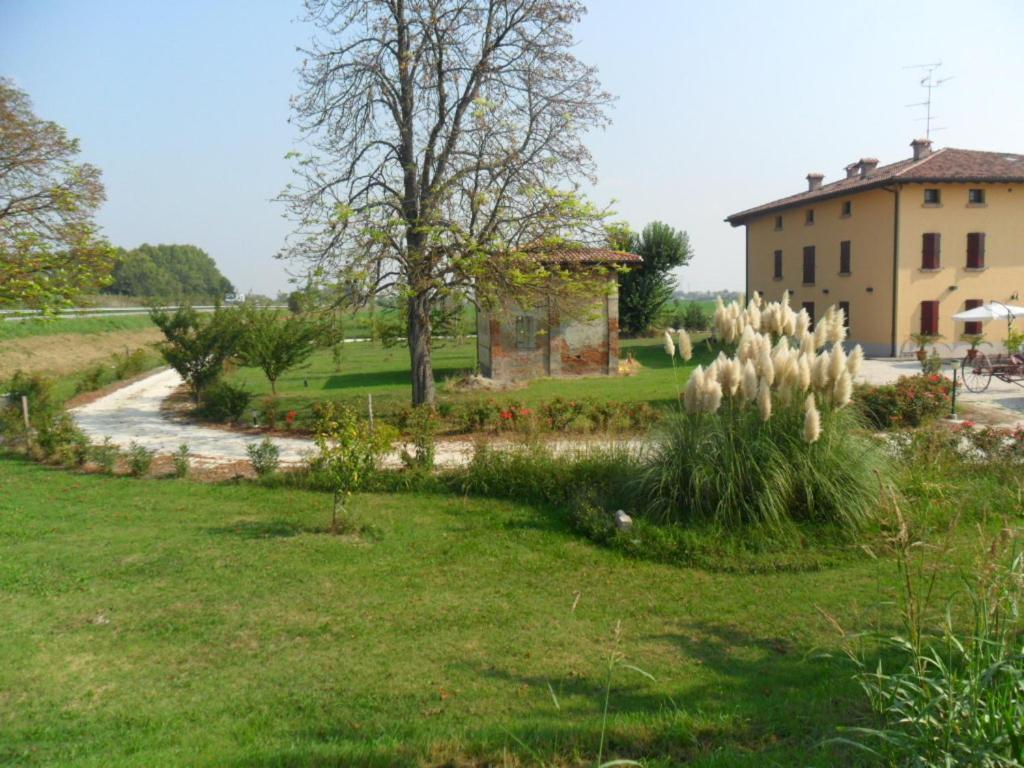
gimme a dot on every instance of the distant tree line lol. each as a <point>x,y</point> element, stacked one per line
<point>167,271</point>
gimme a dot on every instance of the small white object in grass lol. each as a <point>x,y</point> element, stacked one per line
<point>670,347</point>
<point>623,522</point>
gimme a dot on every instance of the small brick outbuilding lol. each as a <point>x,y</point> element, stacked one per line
<point>516,343</point>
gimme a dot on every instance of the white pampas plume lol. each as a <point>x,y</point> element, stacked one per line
<point>712,399</point>
<point>854,360</point>
<point>670,347</point>
<point>788,321</point>
<point>837,327</point>
<point>803,324</point>
<point>785,299</point>
<point>764,400</point>
<point>745,348</point>
<point>836,363</point>
<point>812,421</point>
<point>694,391</point>
<point>842,392</point>
<point>820,334</point>
<point>819,372</point>
<point>731,377</point>
<point>711,372</point>
<point>765,367</point>
<point>755,299</point>
<point>804,372</point>
<point>754,314</point>
<point>685,345</point>
<point>807,345</point>
<point>749,380</point>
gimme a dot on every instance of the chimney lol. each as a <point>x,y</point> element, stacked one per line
<point>852,170</point>
<point>922,148</point>
<point>867,166</point>
<point>814,181</point>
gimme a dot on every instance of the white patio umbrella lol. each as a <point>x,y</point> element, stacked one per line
<point>994,310</point>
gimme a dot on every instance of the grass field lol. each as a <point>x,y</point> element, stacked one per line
<point>163,622</point>
<point>369,368</point>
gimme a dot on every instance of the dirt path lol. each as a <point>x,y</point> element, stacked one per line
<point>134,414</point>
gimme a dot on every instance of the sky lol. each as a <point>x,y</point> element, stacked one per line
<point>720,106</point>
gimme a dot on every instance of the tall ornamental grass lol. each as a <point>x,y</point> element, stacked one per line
<point>764,436</point>
<point>948,687</point>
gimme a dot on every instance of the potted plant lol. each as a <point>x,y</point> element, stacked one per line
<point>923,341</point>
<point>1014,340</point>
<point>975,340</point>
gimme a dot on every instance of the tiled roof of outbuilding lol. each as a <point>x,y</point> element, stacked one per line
<point>943,165</point>
<point>589,256</point>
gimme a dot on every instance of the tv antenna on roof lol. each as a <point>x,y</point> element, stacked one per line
<point>929,82</point>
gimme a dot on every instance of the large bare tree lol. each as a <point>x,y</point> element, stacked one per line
<point>50,247</point>
<point>446,151</point>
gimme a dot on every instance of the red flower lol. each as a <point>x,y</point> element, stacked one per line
<point>525,411</point>
<point>934,378</point>
<point>290,416</point>
<point>967,423</point>
<point>506,415</point>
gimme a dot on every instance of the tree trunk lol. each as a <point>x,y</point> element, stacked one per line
<point>423,391</point>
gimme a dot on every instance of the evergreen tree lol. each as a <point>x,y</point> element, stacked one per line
<point>645,290</point>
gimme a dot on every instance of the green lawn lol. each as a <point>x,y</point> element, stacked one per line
<point>163,622</point>
<point>369,368</point>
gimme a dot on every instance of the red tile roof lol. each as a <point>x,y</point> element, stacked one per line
<point>943,165</point>
<point>589,256</point>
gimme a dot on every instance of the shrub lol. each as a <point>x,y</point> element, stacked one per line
<point>92,378</point>
<point>910,402</point>
<point>140,459</point>
<point>269,411</point>
<point>225,402</point>
<point>264,456</point>
<point>695,318</point>
<point>37,388</point>
<point>57,436</point>
<point>477,415</point>
<point>128,364</point>
<point>105,455</point>
<point>182,461</point>
<point>422,426</point>
<point>640,415</point>
<point>601,413</point>
<point>932,364</point>
<point>559,413</point>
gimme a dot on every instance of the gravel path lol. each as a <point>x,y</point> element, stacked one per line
<point>134,414</point>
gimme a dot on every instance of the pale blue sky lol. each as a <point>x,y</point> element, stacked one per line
<point>722,105</point>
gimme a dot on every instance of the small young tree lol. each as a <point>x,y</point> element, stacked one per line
<point>195,347</point>
<point>348,454</point>
<point>645,290</point>
<point>274,342</point>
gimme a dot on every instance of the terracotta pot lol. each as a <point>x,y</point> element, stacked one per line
<point>922,355</point>
<point>971,354</point>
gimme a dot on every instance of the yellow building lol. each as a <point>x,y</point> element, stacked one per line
<point>900,247</point>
